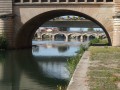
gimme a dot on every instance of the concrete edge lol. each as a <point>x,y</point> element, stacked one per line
<point>79,80</point>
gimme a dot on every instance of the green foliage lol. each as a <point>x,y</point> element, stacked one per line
<point>94,41</point>
<point>103,41</point>
<point>61,87</point>
<point>73,61</point>
<point>90,29</point>
<point>3,43</point>
<point>98,41</point>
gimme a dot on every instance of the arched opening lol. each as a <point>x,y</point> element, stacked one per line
<point>59,37</point>
<point>91,37</point>
<point>102,36</point>
<point>79,37</point>
<point>45,36</point>
<point>33,24</point>
<point>69,37</point>
<point>85,38</point>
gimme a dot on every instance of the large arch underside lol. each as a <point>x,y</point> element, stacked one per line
<point>25,34</point>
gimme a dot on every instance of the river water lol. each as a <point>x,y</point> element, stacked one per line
<point>44,67</point>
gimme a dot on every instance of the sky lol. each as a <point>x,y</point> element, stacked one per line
<point>84,29</point>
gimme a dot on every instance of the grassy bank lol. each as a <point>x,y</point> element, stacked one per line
<point>104,69</point>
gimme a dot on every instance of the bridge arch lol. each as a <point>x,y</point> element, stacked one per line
<point>92,37</point>
<point>61,35</point>
<point>25,34</point>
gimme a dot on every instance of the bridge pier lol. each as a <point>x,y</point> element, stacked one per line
<point>87,38</point>
<point>53,37</point>
<point>116,31</point>
<point>39,36</point>
<point>116,24</point>
<point>66,38</point>
<point>81,39</point>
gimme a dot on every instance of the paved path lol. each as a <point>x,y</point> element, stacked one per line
<point>79,81</point>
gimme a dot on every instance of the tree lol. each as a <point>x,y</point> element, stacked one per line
<point>90,29</point>
<point>62,28</point>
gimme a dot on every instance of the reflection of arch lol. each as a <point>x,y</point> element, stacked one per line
<point>30,27</point>
<point>63,48</point>
<point>36,70</point>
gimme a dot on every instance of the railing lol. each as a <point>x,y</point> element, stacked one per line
<point>63,1</point>
<point>70,18</point>
<point>87,32</point>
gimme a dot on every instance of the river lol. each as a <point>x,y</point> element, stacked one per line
<point>44,67</point>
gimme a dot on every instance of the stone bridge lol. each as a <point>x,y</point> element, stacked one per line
<point>82,36</point>
<point>68,23</point>
<point>19,19</point>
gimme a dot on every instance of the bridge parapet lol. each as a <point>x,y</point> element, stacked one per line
<point>64,1</point>
<point>75,33</point>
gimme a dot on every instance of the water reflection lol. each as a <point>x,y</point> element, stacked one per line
<point>56,48</point>
<point>38,69</point>
<point>63,48</point>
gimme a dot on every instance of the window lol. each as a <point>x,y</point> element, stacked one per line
<point>99,0</point>
<point>81,0</point>
<point>71,0</point>
<point>109,0</point>
<point>62,0</point>
<point>44,0</point>
<point>34,0</point>
<point>25,0</point>
<point>90,0</point>
<point>53,0</point>
<point>17,0</point>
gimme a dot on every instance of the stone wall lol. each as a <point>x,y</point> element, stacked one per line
<point>5,7</point>
<point>116,24</point>
<point>6,20</point>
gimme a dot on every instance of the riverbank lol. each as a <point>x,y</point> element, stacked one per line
<point>79,78</point>
<point>104,69</point>
<point>98,69</point>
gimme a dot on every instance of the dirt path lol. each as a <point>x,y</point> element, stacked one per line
<point>79,81</point>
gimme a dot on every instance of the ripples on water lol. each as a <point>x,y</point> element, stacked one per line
<point>42,68</point>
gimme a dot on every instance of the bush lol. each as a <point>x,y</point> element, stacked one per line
<point>98,41</point>
<point>94,41</point>
<point>3,43</point>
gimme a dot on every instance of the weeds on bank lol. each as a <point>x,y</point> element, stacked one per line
<point>98,41</point>
<point>104,70</point>
<point>73,61</point>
